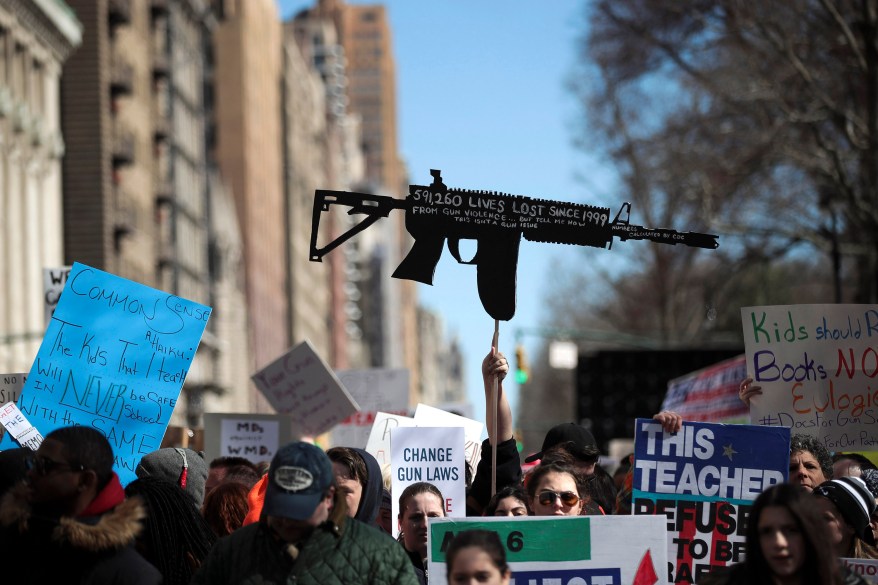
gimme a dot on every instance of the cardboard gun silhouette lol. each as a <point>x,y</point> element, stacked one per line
<point>496,221</point>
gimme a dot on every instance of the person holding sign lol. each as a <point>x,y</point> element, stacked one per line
<point>508,468</point>
<point>785,545</point>
<point>477,557</point>
<point>810,462</point>
<point>418,502</point>
<point>72,514</point>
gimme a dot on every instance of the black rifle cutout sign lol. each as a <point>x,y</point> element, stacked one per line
<point>497,221</point>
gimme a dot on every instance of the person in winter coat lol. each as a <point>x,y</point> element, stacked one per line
<point>72,515</point>
<point>304,535</point>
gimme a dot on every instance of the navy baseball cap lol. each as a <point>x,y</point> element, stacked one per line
<point>298,477</point>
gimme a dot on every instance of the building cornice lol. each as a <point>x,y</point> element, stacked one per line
<point>52,21</point>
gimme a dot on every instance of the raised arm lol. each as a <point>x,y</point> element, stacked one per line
<point>495,366</point>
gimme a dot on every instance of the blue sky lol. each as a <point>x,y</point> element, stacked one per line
<point>481,96</point>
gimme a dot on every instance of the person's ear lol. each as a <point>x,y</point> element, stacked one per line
<point>88,480</point>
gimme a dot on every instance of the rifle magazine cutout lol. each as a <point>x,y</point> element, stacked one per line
<point>497,221</point>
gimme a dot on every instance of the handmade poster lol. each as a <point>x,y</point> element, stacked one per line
<point>301,384</point>
<point>710,394</point>
<point>376,389</point>
<point>54,280</point>
<point>378,444</point>
<point>865,568</point>
<point>256,437</point>
<point>11,386</point>
<point>433,455</point>
<point>496,221</point>
<point>19,428</point>
<point>567,550</point>
<point>701,481</point>
<point>816,365</point>
<point>429,416</point>
<point>114,358</point>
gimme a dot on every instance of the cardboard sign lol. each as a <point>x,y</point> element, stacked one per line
<point>865,568</point>
<point>299,383</point>
<point>256,437</point>
<point>710,394</point>
<point>434,455</point>
<point>496,221</point>
<point>54,280</point>
<point>701,482</point>
<point>11,386</point>
<point>606,550</point>
<point>375,390</point>
<point>428,416</point>
<point>817,366</point>
<point>378,444</point>
<point>113,358</point>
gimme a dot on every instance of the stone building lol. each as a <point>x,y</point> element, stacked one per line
<point>36,38</point>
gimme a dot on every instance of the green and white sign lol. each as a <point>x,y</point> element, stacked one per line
<point>592,550</point>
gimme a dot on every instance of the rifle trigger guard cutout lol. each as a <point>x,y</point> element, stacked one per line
<point>454,248</point>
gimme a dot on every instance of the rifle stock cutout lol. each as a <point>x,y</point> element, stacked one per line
<point>497,221</point>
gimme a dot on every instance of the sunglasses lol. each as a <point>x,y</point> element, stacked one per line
<point>548,497</point>
<point>45,466</point>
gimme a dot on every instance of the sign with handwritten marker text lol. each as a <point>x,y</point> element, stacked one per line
<point>429,454</point>
<point>570,550</point>
<point>301,384</point>
<point>702,481</point>
<point>430,416</point>
<point>114,358</point>
<point>378,444</point>
<point>818,369</point>
<point>376,389</point>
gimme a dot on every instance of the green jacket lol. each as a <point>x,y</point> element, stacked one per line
<point>347,554</point>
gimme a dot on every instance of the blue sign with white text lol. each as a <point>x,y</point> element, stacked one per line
<point>114,358</point>
<point>709,462</point>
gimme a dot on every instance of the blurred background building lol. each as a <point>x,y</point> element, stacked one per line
<point>180,147</point>
<point>36,38</point>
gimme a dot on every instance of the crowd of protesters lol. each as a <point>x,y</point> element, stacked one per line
<point>325,517</point>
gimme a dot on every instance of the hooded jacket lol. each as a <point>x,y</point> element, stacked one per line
<point>94,548</point>
<point>370,499</point>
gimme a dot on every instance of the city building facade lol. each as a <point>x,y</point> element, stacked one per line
<point>248,62</point>
<point>36,38</point>
<point>142,199</point>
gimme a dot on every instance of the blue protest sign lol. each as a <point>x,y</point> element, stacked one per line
<point>703,479</point>
<point>114,358</point>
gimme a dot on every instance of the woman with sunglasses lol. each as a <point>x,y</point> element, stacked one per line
<point>555,490</point>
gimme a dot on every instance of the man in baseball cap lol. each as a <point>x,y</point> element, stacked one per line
<point>302,506</point>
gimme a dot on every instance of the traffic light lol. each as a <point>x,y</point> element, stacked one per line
<point>522,371</point>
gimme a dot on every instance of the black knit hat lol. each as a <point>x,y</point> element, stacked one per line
<point>575,438</point>
<point>855,502</point>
